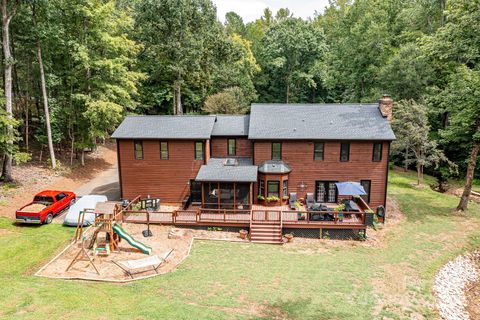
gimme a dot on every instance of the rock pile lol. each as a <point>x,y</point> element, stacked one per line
<point>451,282</point>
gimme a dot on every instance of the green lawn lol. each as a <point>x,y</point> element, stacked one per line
<point>222,280</point>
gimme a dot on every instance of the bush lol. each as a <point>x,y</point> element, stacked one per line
<point>229,101</point>
<point>22,157</point>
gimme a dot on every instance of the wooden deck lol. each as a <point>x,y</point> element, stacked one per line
<point>281,215</point>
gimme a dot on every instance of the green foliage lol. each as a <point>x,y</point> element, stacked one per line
<point>22,157</point>
<point>272,199</point>
<point>291,59</point>
<point>6,145</point>
<point>229,101</point>
<point>411,127</point>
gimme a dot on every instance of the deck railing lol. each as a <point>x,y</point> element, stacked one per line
<point>328,217</point>
<point>202,215</point>
<point>266,215</point>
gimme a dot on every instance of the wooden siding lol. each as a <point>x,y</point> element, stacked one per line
<point>219,147</point>
<point>299,156</point>
<point>165,179</point>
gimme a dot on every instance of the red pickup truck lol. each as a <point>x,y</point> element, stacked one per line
<point>45,206</point>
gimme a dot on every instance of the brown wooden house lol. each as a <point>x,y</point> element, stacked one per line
<point>235,162</point>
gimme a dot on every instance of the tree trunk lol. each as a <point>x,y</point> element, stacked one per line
<point>288,92</point>
<point>463,205</point>
<point>72,149</point>
<point>45,97</point>
<point>7,56</point>
<point>419,174</point>
<point>83,157</point>
<point>178,109</point>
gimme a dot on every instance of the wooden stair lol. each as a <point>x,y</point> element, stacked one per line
<point>266,232</point>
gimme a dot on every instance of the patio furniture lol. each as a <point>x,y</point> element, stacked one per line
<point>310,201</point>
<point>292,200</point>
<point>351,206</point>
<point>132,267</point>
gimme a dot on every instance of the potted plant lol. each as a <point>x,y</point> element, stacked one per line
<point>285,198</point>
<point>288,237</point>
<point>272,200</point>
<point>243,234</point>
<point>338,209</point>
<point>261,199</point>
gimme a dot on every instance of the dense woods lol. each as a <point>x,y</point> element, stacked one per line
<point>74,69</point>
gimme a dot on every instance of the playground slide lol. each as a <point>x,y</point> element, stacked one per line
<point>134,243</point>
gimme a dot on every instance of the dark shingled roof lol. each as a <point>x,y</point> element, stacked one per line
<point>273,166</point>
<point>319,121</point>
<point>165,127</point>
<point>216,170</point>
<point>231,125</point>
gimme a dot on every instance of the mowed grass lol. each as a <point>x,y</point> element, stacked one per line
<point>222,280</point>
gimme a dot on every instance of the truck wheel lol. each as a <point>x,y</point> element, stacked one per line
<point>49,218</point>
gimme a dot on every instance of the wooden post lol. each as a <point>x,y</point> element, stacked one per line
<point>218,188</point>
<point>251,196</point>
<point>234,196</point>
<point>203,196</point>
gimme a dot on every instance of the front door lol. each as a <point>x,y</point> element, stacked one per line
<point>195,191</point>
<point>326,191</point>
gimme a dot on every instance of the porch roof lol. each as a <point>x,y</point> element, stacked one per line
<point>217,171</point>
<point>274,166</point>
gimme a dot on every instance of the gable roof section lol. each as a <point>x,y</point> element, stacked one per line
<point>231,125</point>
<point>318,121</point>
<point>165,127</point>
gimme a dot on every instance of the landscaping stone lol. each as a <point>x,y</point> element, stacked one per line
<point>450,285</point>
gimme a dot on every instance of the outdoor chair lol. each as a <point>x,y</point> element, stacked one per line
<point>310,201</point>
<point>292,200</point>
<point>132,267</point>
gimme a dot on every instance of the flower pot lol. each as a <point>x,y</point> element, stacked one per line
<point>243,234</point>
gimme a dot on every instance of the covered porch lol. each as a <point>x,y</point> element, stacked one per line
<point>227,183</point>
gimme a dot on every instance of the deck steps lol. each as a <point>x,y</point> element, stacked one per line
<point>261,232</point>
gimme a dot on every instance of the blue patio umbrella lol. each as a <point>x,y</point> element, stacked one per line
<point>350,188</point>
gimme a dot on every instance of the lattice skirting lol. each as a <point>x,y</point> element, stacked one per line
<point>338,234</point>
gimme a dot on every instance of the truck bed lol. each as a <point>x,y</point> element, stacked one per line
<point>33,207</point>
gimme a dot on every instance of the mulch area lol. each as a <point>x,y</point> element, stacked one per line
<point>180,242</point>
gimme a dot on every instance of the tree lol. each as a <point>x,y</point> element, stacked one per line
<point>461,98</point>
<point>410,124</point>
<point>7,15</point>
<point>238,69</point>
<point>229,101</point>
<point>234,24</point>
<point>292,50</point>
<point>44,93</point>
<point>456,45</point>
<point>407,73</point>
<point>181,43</point>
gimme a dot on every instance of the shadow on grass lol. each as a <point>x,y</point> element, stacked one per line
<point>303,308</point>
<point>421,204</point>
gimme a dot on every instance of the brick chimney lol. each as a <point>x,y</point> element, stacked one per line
<point>385,104</point>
